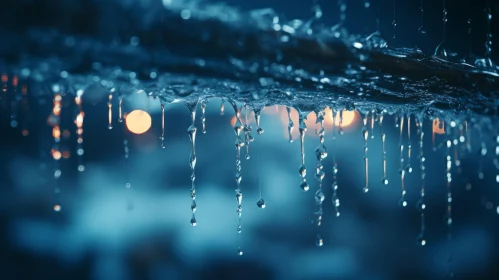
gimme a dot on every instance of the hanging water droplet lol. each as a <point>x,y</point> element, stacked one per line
<point>261,203</point>
<point>239,251</point>
<point>304,186</point>
<point>319,196</point>
<point>318,241</point>
<point>421,240</point>
<point>193,221</point>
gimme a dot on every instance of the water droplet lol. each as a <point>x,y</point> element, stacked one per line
<point>421,240</point>
<point>318,241</point>
<point>261,203</point>
<point>304,186</point>
<point>239,251</point>
<point>193,221</point>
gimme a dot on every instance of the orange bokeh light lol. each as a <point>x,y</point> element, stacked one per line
<point>138,121</point>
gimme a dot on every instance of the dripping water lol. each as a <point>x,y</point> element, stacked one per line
<point>408,167</point>
<point>79,130</point>
<point>384,180</point>
<point>336,201</point>
<point>110,111</point>
<point>365,135</point>
<point>162,137</point>
<point>261,202</point>
<point>257,112</point>
<point>291,125</point>
<point>303,170</point>
<point>488,36</point>
<point>421,206</point>
<point>120,110</point>
<point>403,202</point>
<point>248,138</point>
<point>449,199</point>
<point>222,107</point>
<point>238,127</point>
<point>192,159</point>
<point>373,120</point>
<point>203,115</point>
<point>320,153</point>
<point>56,153</point>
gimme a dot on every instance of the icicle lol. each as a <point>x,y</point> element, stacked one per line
<point>421,204</point>
<point>110,111</point>
<point>79,130</point>
<point>192,159</point>
<point>384,180</point>
<point>291,125</point>
<point>403,202</point>
<point>365,135</point>
<point>303,170</point>
<point>238,127</point>
<point>336,201</point>
<point>162,137</point>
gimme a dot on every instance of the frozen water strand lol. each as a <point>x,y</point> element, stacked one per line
<point>384,180</point>
<point>303,170</point>
<point>320,153</point>
<point>261,202</point>
<point>79,130</point>
<point>192,159</point>
<point>291,125</point>
<point>238,127</point>
<point>247,131</point>
<point>365,135</point>
<point>162,138</point>
<point>408,167</point>
<point>203,103</point>
<point>110,111</point>
<point>421,206</point>
<point>336,201</point>
<point>403,202</point>
<point>440,50</point>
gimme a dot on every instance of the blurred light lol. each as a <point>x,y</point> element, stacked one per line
<point>25,132</point>
<point>438,127</point>
<point>138,121</point>
<point>57,207</point>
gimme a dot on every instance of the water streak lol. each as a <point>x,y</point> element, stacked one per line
<point>403,202</point>
<point>421,206</point>
<point>238,127</point>
<point>336,200</point>
<point>365,135</point>
<point>192,159</point>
